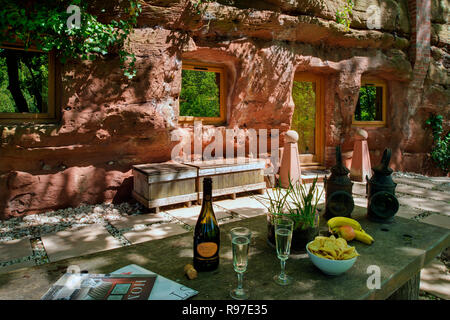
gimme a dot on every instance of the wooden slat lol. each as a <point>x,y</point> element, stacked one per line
<point>140,182</point>
<point>158,172</point>
<point>235,179</point>
<point>164,201</point>
<point>170,188</point>
<point>212,167</point>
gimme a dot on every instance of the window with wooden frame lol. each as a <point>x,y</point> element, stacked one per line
<point>371,107</point>
<point>203,93</point>
<point>308,119</point>
<point>27,85</point>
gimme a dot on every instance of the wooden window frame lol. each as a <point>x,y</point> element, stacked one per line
<point>375,123</point>
<point>208,67</point>
<point>53,112</point>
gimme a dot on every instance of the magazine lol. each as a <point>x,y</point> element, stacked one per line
<point>129,283</point>
<point>164,289</point>
<point>84,286</point>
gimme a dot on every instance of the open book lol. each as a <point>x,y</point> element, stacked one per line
<point>129,283</point>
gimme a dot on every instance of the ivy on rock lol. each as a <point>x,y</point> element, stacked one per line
<point>441,146</point>
<point>44,24</point>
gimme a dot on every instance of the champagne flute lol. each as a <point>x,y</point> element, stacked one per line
<point>240,243</point>
<point>283,237</point>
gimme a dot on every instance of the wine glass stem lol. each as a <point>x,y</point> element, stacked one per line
<point>283,267</point>
<point>240,277</point>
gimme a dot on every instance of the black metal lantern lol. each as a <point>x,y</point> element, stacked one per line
<point>380,189</point>
<point>338,190</point>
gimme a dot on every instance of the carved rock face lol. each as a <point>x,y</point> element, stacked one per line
<point>109,123</point>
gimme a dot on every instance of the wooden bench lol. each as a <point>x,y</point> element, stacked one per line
<point>161,184</point>
<point>231,176</point>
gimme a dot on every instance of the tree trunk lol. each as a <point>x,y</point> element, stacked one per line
<point>36,87</point>
<point>14,84</point>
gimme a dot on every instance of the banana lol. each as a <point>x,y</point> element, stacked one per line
<point>335,230</point>
<point>360,235</point>
<point>344,221</point>
<point>363,237</point>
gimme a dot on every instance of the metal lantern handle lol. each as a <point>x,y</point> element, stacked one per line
<point>338,155</point>
<point>386,158</point>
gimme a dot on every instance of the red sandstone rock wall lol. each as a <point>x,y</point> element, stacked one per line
<point>109,123</point>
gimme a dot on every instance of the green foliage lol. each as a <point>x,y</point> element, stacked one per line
<point>32,69</point>
<point>366,109</point>
<point>277,200</point>
<point>305,200</point>
<point>298,202</point>
<point>344,16</point>
<point>44,24</point>
<point>304,117</point>
<point>200,94</point>
<point>367,96</point>
<point>440,152</point>
<point>6,101</point>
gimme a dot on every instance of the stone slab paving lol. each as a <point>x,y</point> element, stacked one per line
<point>441,180</point>
<point>423,193</point>
<point>427,184</point>
<point>408,212</point>
<point>145,219</point>
<point>359,188</point>
<point>434,183</point>
<point>360,201</point>
<point>72,243</point>
<point>189,215</point>
<point>438,220</point>
<point>20,265</point>
<point>425,204</point>
<point>246,206</point>
<point>435,279</point>
<point>154,232</point>
<point>15,249</point>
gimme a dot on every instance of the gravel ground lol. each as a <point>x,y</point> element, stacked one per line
<point>35,226</point>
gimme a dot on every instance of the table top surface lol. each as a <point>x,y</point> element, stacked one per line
<point>400,250</point>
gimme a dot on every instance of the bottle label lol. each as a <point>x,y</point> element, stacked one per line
<point>207,249</point>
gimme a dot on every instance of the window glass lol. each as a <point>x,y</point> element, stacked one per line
<point>23,81</point>
<point>304,117</point>
<point>370,103</point>
<point>200,93</point>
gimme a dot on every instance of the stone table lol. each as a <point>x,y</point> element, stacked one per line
<point>400,250</point>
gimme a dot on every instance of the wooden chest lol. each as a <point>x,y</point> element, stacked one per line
<point>230,176</point>
<point>162,184</point>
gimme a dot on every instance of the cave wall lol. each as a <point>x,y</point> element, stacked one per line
<point>109,123</point>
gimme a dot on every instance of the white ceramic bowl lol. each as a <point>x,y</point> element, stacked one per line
<point>328,266</point>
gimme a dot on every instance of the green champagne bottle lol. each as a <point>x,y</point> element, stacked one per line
<point>206,233</point>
